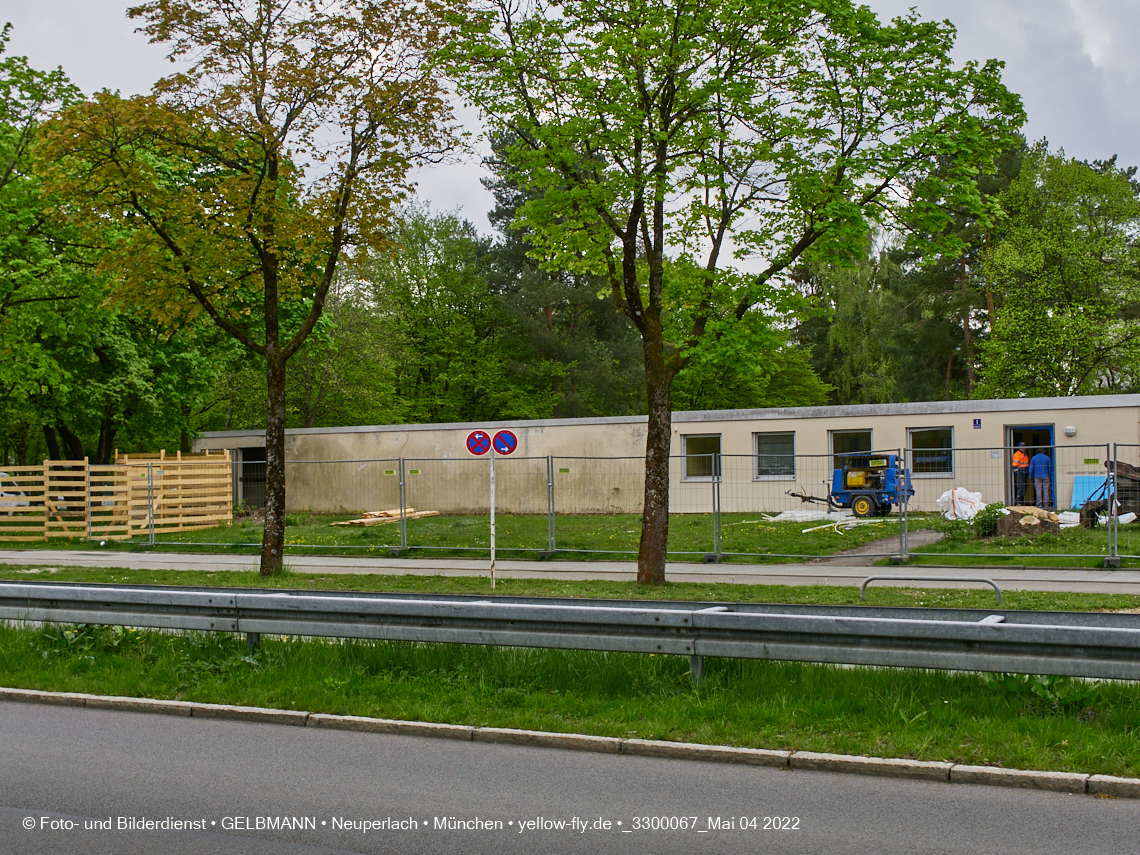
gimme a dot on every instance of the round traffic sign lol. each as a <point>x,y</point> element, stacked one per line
<point>505,442</point>
<point>478,442</point>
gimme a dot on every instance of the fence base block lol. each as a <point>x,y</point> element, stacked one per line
<point>545,554</point>
<point>896,559</point>
<point>711,558</point>
<point>395,553</point>
<point>1112,563</point>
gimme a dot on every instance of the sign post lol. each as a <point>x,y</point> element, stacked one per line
<point>479,442</point>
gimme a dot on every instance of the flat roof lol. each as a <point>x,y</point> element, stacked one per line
<point>998,405</point>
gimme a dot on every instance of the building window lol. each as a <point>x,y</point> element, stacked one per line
<point>702,456</point>
<point>848,443</point>
<point>776,454</point>
<point>932,451</point>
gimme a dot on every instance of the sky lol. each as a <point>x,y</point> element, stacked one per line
<point>1074,62</point>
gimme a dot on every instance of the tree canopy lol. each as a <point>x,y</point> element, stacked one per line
<point>236,187</point>
<point>666,139</point>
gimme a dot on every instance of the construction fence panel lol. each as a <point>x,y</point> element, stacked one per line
<point>191,495</point>
<point>341,487</point>
<point>23,509</point>
<point>1079,473</point>
<point>1126,527</point>
<point>458,491</point>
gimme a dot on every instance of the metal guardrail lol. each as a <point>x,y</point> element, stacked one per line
<point>1078,644</point>
<point>870,579</point>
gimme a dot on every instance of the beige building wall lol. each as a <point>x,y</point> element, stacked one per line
<point>597,465</point>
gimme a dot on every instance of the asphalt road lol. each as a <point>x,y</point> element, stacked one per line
<point>829,572</point>
<point>71,765</point>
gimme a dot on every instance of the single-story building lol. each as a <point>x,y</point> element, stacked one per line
<point>754,457</point>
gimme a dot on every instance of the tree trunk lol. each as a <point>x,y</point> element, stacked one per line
<point>52,440</point>
<point>658,438</point>
<point>273,540</point>
<point>73,445</point>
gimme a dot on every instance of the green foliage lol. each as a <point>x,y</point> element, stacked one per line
<point>1064,268</point>
<point>1048,695</point>
<point>986,520</point>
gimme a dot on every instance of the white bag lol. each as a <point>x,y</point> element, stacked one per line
<point>960,504</point>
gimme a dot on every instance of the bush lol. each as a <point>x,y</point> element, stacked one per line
<point>987,519</point>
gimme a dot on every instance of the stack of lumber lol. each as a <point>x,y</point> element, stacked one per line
<point>385,517</point>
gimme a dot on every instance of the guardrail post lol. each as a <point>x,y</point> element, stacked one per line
<point>697,668</point>
<point>252,642</point>
<point>1113,559</point>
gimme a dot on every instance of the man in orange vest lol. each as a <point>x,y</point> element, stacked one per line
<point>1020,473</point>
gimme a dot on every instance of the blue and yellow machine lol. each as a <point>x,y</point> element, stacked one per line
<point>870,485</point>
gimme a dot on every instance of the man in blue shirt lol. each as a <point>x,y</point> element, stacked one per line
<point>1041,474</point>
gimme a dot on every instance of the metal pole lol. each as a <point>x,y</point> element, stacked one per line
<point>904,506</point>
<point>150,499</point>
<point>550,504</point>
<point>492,516</point>
<point>403,509</point>
<point>1113,510</point>
<point>716,506</point>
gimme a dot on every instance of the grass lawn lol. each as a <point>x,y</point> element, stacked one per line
<point>1062,724</point>
<point>577,537</point>
<point>607,589</point>
<point>1073,547</point>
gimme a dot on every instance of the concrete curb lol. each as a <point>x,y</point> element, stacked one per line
<point>1104,786</point>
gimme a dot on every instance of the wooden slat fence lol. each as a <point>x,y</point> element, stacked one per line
<point>74,499</point>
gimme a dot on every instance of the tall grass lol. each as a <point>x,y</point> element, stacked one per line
<point>1052,724</point>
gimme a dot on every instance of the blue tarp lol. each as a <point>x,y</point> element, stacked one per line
<point>1085,487</point>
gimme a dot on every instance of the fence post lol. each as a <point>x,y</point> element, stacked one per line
<point>717,474</point>
<point>150,500</point>
<point>904,506</point>
<point>1113,559</point>
<point>403,509</point>
<point>47,500</point>
<point>550,506</point>
<point>87,490</point>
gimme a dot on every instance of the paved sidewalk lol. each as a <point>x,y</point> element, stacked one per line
<point>1009,578</point>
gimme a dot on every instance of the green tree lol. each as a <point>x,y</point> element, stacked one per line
<point>238,185</point>
<point>1065,266</point>
<point>663,138</point>
<point>36,283</point>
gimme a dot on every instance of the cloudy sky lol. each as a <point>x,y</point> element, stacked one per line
<point>1074,62</point>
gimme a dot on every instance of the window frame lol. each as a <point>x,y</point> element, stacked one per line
<point>716,463</point>
<point>756,475</point>
<point>910,447</point>
<point>833,454</point>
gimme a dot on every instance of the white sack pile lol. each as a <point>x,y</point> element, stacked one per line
<point>960,504</point>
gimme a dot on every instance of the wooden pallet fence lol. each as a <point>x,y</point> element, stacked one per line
<point>23,513</point>
<point>74,499</point>
<point>191,491</point>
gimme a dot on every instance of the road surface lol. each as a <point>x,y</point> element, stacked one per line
<point>65,765</point>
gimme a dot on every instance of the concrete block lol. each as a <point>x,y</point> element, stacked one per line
<point>1110,785</point>
<point>363,724</point>
<point>696,751</point>
<point>34,696</point>
<point>542,739</point>
<point>882,766</point>
<point>1057,782</point>
<point>144,705</point>
<point>260,714</point>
